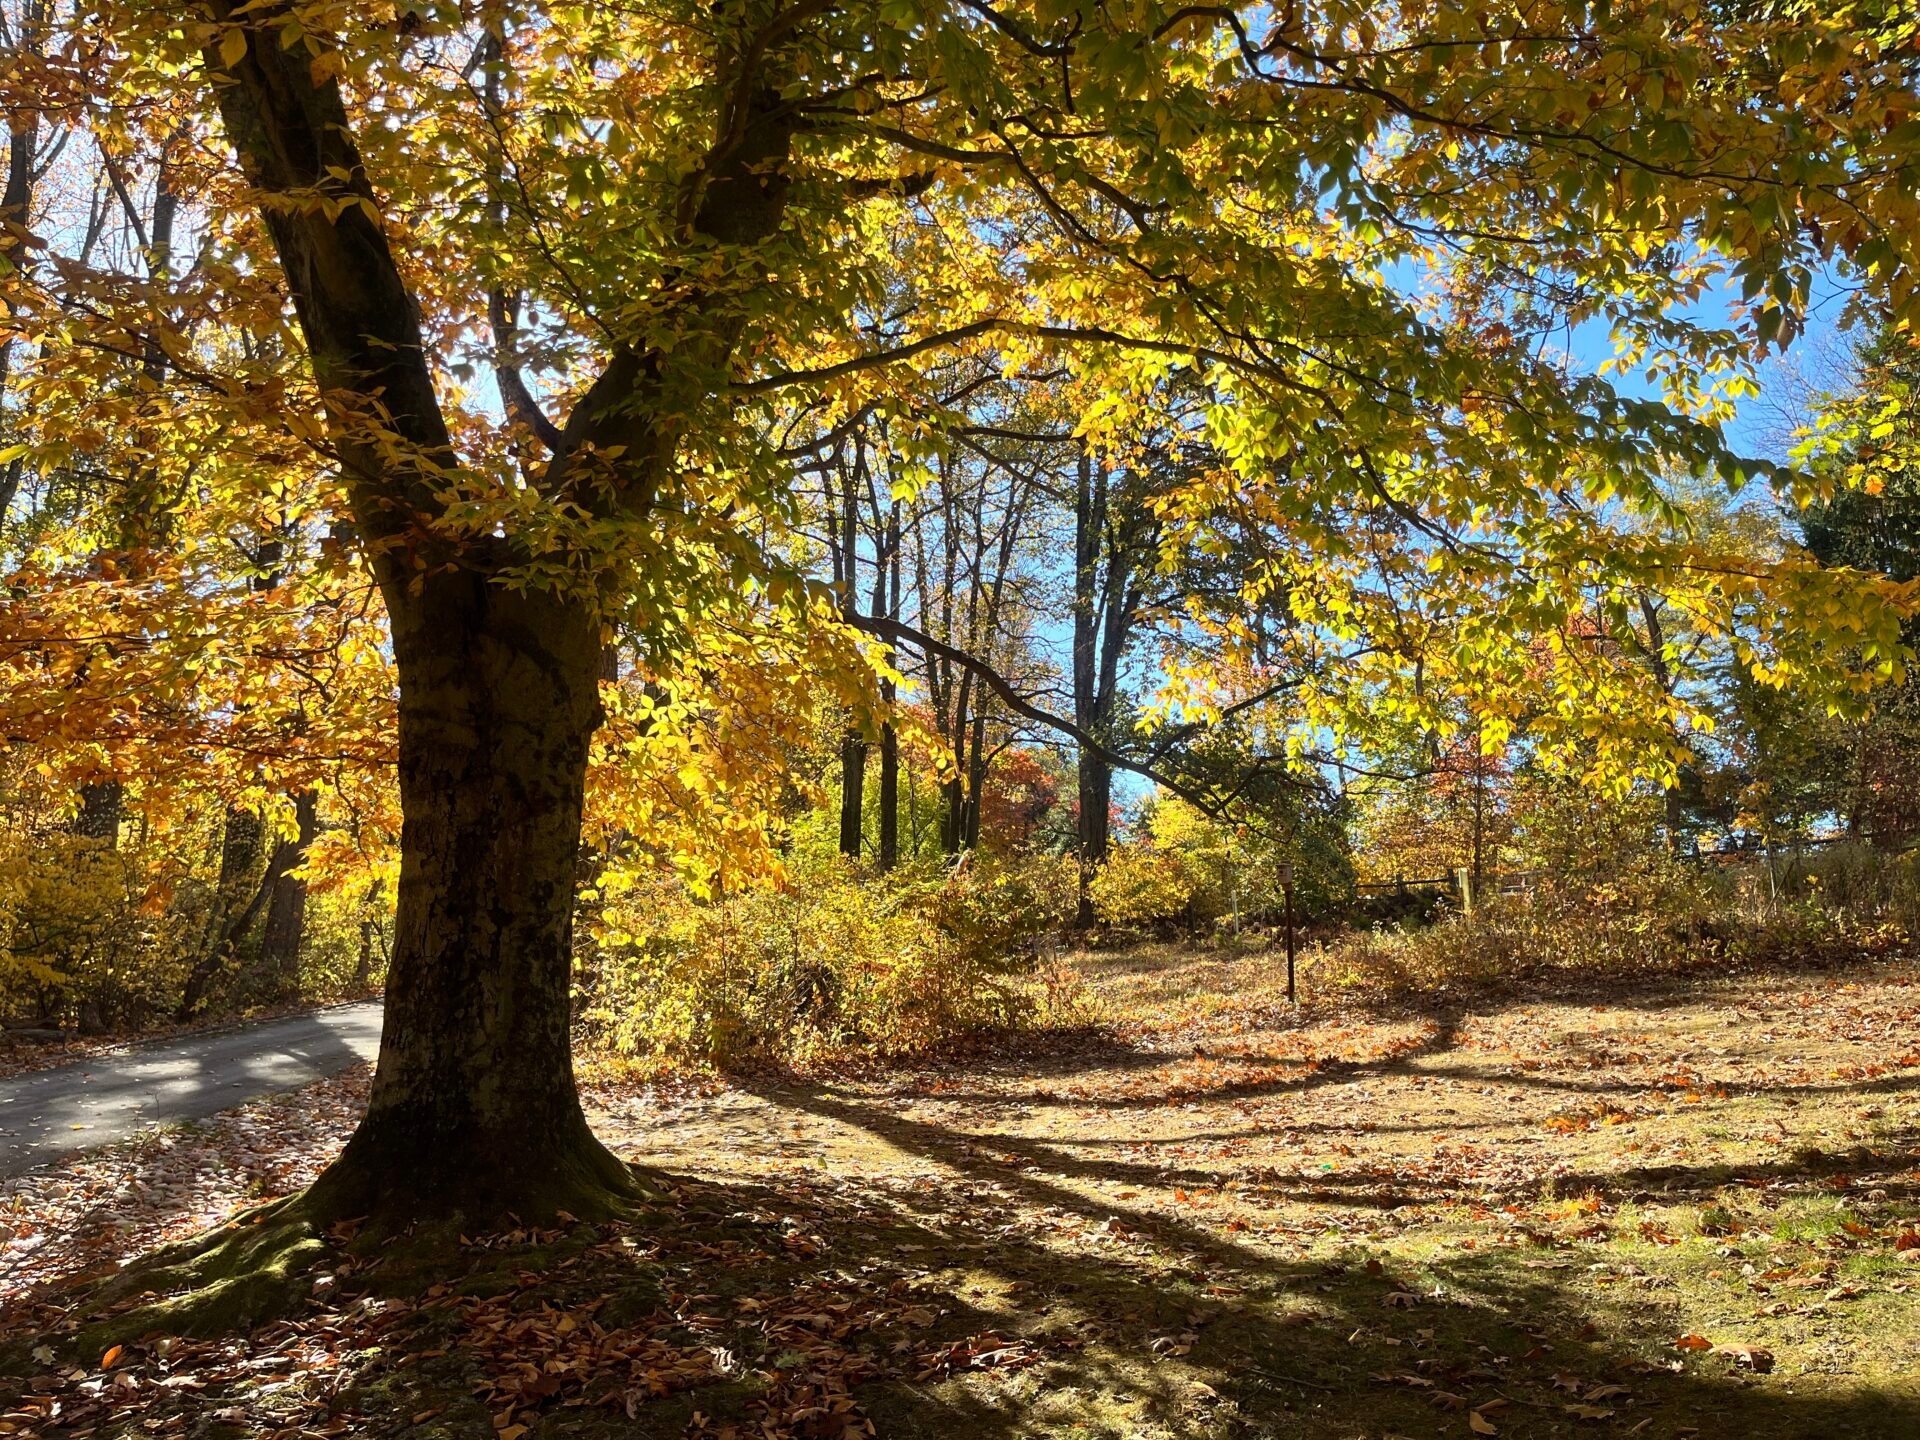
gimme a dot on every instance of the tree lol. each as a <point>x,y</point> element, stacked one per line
<point>680,219</point>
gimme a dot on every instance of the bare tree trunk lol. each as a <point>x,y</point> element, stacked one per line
<point>1088,521</point>
<point>953,819</point>
<point>976,780</point>
<point>853,744</point>
<point>853,789</point>
<point>16,199</point>
<point>286,926</point>
<point>237,905</point>
<point>889,738</point>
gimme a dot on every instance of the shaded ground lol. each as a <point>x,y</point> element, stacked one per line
<point>1656,1211</point>
<point>54,1112</point>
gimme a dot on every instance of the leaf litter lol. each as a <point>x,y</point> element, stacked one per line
<point>1193,1221</point>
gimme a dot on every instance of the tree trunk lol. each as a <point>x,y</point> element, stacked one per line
<point>889,850</point>
<point>853,790</point>
<point>473,1111</point>
<point>101,805</point>
<point>886,601</point>
<point>1093,826</point>
<point>237,905</point>
<point>976,781</point>
<point>287,904</point>
<point>473,1108</point>
<point>953,817</point>
<point>853,745</point>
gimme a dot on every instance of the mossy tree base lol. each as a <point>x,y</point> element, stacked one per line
<point>399,1228</point>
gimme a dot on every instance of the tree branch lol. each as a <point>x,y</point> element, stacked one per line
<point>895,631</point>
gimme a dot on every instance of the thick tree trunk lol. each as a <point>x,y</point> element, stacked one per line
<point>473,1108</point>
<point>1096,807</point>
<point>473,1111</point>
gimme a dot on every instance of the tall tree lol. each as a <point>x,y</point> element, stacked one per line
<point>1115,535</point>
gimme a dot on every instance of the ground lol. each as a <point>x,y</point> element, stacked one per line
<point>1657,1208</point>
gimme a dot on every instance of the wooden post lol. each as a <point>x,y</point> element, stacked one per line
<point>1286,887</point>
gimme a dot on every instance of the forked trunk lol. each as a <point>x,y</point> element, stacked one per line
<point>473,1109</point>
<point>286,927</point>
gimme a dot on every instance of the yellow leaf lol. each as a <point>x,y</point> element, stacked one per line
<point>1480,1425</point>
<point>233,47</point>
<point>325,67</point>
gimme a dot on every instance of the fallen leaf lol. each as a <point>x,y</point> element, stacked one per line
<point>1480,1425</point>
<point>1754,1357</point>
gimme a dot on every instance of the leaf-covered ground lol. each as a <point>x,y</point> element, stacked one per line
<point>1661,1210</point>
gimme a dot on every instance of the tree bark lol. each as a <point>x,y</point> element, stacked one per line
<point>473,1105</point>
<point>1105,603</point>
<point>853,790</point>
<point>889,797</point>
<point>286,927</point>
<point>976,782</point>
<point>853,744</point>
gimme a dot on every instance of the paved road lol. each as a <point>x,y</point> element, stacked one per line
<point>91,1102</point>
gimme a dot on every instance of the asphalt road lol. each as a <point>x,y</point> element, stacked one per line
<point>51,1113</point>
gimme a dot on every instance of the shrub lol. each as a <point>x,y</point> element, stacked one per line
<point>93,936</point>
<point>1141,885</point>
<point>834,962</point>
<point>1188,868</point>
<point>1661,914</point>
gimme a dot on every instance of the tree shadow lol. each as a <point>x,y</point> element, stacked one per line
<point>1295,1347</point>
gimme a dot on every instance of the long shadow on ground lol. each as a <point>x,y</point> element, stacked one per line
<point>1297,1347</point>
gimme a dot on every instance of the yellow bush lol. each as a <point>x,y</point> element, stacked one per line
<point>835,962</point>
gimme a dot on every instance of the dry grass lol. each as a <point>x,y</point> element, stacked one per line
<point>1216,1215</point>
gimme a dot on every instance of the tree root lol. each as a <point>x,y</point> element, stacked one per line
<point>227,1281</point>
<point>261,1264</point>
